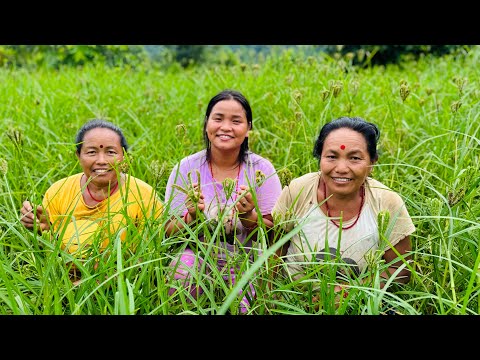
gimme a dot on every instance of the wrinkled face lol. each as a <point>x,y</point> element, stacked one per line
<point>227,125</point>
<point>101,150</point>
<point>345,162</point>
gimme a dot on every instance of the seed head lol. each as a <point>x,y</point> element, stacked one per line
<point>15,136</point>
<point>228,187</point>
<point>342,64</point>
<point>463,182</point>
<point>373,258</point>
<point>434,205</point>
<point>286,221</point>
<point>355,85</point>
<point>455,196</point>
<point>181,130</point>
<point>190,191</point>
<point>285,176</point>
<point>3,166</point>
<point>460,82</point>
<point>157,169</point>
<point>337,88</point>
<point>383,219</point>
<point>259,177</point>
<point>325,94</point>
<point>348,108</point>
<point>455,106</point>
<point>124,165</point>
<point>404,91</point>
<point>197,172</point>
<point>297,95</point>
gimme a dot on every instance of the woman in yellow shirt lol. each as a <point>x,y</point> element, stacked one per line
<point>93,207</point>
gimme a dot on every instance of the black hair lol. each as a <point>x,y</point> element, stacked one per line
<point>97,123</point>
<point>370,132</point>
<point>229,94</point>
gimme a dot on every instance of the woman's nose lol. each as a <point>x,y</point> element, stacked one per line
<point>101,158</point>
<point>226,125</point>
<point>342,165</point>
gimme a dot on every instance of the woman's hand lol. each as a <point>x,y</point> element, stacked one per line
<point>192,206</point>
<point>245,207</point>
<point>28,218</point>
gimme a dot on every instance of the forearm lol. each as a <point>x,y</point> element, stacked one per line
<point>403,277</point>
<point>250,220</point>
<point>399,256</point>
<point>175,224</point>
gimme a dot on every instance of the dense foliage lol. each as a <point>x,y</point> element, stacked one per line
<point>54,56</point>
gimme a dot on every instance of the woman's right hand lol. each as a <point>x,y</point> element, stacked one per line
<point>194,201</point>
<point>28,218</point>
<point>200,205</point>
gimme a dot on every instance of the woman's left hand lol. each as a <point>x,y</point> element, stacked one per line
<point>245,204</point>
<point>245,207</point>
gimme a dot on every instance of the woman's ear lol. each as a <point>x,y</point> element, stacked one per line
<point>249,129</point>
<point>370,170</point>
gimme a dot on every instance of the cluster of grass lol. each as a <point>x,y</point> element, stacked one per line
<point>427,111</point>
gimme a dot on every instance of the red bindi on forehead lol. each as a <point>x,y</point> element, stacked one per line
<point>101,146</point>
<point>341,147</point>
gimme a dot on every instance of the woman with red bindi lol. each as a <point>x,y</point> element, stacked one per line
<point>92,207</point>
<point>339,206</point>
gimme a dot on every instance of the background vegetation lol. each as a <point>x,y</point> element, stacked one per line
<point>425,103</point>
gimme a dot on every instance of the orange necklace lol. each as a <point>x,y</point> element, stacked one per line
<point>111,192</point>
<point>362,195</point>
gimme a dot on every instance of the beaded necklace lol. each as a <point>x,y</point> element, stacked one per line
<point>111,192</point>
<point>362,195</point>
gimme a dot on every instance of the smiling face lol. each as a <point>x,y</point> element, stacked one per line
<point>101,150</point>
<point>227,126</point>
<point>345,162</point>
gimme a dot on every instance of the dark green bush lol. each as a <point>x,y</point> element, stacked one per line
<point>55,56</point>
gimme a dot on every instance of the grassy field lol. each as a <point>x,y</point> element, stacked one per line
<point>427,111</point>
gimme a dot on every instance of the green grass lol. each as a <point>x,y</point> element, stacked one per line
<point>429,153</point>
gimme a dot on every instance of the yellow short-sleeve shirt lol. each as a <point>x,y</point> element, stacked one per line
<point>79,226</point>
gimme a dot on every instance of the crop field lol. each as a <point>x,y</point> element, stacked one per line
<point>428,114</point>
